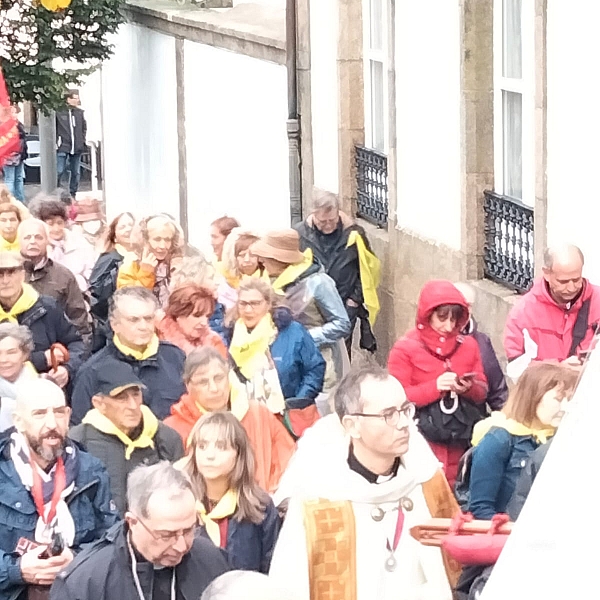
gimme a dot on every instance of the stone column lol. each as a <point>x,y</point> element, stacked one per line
<point>351,115</point>
<point>477,118</point>
<point>541,151</point>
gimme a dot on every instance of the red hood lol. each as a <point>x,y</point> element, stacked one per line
<point>436,293</point>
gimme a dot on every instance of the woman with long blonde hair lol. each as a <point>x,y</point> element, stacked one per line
<point>236,513</point>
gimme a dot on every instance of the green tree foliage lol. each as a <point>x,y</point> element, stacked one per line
<point>43,53</point>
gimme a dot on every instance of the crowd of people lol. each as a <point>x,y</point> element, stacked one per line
<point>171,421</point>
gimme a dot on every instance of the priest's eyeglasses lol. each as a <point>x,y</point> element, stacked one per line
<point>169,536</point>
<point>392,415</point>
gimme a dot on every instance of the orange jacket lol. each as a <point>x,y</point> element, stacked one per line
<point>272,445</point>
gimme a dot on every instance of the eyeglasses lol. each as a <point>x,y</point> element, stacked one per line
<point>170,536</point>
<point>253,304</point>
<point>391,415</point>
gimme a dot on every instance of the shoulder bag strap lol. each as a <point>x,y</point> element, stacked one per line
<point>580,327</point>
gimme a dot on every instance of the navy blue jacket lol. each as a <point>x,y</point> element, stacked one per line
<point>249,546</point>
<point>496,465</point>
<point>299,364</point>
<point>162,374</point>
<point>90,505</point>
<point>216,322</point>
<point>49,325</point>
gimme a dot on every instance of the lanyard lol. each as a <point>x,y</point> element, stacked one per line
<point>136,578</point>
<point>398,532</point>
<point>60,481</point>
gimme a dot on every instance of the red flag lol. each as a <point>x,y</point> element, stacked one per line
<point>9,133</point>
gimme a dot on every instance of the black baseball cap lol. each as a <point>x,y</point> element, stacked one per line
<point>115,378</point>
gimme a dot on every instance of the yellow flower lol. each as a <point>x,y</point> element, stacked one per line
<point>55,5</point>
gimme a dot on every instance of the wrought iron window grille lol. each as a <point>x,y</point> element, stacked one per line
<point>508,249</point>
<point>372,185</point>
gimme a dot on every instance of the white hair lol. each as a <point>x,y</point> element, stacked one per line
<point>243,585</point>
<point>467,291</point>
<point>34,389</point>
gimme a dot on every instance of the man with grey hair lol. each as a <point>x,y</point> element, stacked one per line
<point>557,318</point>
<point>50,278</point>
<point>159,365</point>
<point>342,247</point>
<point>366,472</point>
<point>55,497</point>
<point>154,554</point>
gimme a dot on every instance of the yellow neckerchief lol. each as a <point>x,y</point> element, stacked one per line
<point>248,348</point>
<point>234,280</point>
<point>10,246</point>
<point>26,300</point>
<point>121,250</point>
<point>226,506</point>
<point>292,272</point>
<point>499,419</point>
<point>151,348</point>
<point>146,439</point>
<point>370,274</point>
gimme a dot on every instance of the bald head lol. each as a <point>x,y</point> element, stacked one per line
<point>33,239</point>
<point>563,272</point>
<point>39,394</point>
<point>467,291</point>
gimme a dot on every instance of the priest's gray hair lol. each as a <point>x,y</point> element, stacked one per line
<point>326,201</point>
<point>347,398</point>
<point>248,585</point>
<point>145,481</point>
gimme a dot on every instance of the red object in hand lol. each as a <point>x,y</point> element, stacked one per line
<point>477,549</point>
<point>55,360</point>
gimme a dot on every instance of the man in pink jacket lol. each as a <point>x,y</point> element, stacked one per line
<point>557,318</point>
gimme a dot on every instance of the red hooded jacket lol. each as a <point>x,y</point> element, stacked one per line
<point>422,355</point>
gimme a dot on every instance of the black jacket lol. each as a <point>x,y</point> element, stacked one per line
<point>103,283</point>
<point>71,129</point>
<point>49,325</point>
<point>339,262</point>
<point>162,374</point>
<point>103,571</point>
<point>110,450</point>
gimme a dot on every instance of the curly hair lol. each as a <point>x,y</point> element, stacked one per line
<point>190,299</point>
<point>139,235</point>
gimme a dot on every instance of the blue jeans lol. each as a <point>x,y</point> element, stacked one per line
<point>13,178</point>
<point>72,163</point>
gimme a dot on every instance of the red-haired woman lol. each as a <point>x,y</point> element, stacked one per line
<point>185,323</point>
<point>442,373</point>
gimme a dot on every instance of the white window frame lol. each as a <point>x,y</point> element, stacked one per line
<point>524,86</point>
<point>380,56</point>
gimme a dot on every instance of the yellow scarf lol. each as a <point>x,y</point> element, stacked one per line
<point>234,280</point>
<point>370,274</point>
<point>499,419</point>
<point>292,272</point>
<point>146,440</point>
<point>248,349</point>
<point>151,348</point>
<point>121,250</point>
<point>26,300</point>
<point>10,246</point>
<point>226,506</point>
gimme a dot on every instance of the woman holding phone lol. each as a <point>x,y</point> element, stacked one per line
<point>442,373</point>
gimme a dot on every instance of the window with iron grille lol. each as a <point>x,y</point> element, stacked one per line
<point>371,185</point>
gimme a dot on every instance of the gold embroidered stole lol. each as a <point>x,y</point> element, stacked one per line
<point>331,545</point>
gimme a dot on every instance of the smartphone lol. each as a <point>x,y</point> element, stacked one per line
<point>467,377</point>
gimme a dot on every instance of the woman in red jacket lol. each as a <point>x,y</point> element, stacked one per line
<point>442,373</point>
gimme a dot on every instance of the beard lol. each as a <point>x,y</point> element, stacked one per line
<point>48,454</point>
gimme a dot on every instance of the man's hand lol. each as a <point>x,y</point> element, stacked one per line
<point>43,571</point>
<point>148,260</point>
<point>58,353</point>
<point>60,377</point>
<point>446,382</point>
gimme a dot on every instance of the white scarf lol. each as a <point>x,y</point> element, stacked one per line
<point>63,521</point>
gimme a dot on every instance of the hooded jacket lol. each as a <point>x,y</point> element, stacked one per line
<point>550,325</point>
<point>89,504</point>
<point>103,571</point>
<point>162,374</point>
<point>71,130</point>
<point>272,445</point>
<point>97,438</point>
<point>422,355</point>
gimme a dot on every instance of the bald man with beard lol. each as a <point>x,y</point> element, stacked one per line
<point>50,278</point>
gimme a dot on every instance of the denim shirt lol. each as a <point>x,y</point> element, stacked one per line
<point>496,465</point>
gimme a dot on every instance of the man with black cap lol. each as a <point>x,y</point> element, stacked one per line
<point>122,432</point>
